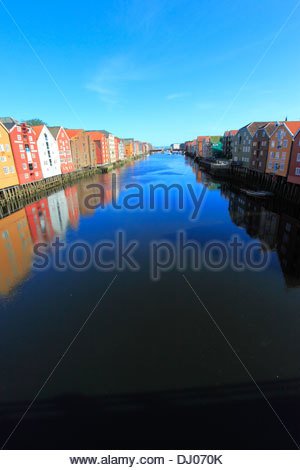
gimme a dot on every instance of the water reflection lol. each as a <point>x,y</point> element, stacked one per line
<point>51,216</point>
<point>41,222</point>
<point>15,250</point>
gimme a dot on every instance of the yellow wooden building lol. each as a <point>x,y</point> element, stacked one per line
<point>8,172</point>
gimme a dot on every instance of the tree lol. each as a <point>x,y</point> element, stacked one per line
<point>34,122</point>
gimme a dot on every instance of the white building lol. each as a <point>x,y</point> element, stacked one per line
<point>59,214</point>
<point>121,147</point>
<point>175,147</point>
<point>48,151</point>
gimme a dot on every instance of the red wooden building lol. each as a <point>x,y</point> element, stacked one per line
<point>24,146</point>
<point>64,149</point>
<point>117,143</point>
<point>294,169</point>
<point>100,147</point>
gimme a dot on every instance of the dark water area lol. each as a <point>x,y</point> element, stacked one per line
<point>148,336</point>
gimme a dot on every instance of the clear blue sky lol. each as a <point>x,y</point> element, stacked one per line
<point>159,70</point>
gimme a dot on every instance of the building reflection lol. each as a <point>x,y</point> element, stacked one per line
<point>277,230</point>
<point>39,221</point>
<point>59,213</point>
<point>100,194</point>
<point>15,251</point>
<point>289,249</point>
<point>71,194</point>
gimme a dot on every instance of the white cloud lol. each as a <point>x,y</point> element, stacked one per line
<point>176,96</point>
<point>113,73</point>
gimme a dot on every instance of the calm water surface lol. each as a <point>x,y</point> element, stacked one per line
<point>146,335</point>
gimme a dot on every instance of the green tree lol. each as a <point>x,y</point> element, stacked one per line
<point>34,122</point>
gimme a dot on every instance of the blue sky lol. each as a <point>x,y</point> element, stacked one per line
<point>160,70</point>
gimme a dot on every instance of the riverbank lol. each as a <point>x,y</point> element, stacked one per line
<point>251,179</point>
<point>14,198</point>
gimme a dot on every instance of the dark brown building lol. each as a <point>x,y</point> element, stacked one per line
<point>227,143</point>
<point>260,146</point>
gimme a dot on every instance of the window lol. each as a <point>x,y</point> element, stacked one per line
<point>270,165</point>
<point>282,165</point>
<point>19,137</point>
<point>21,146</point>
<point>298,157</point>
<point>18,128</point>
<point>7,147</point>
<point>6,170</point>
<point>12,169</point>
<point>24,166</point>
<point>22,155</point>
<point>283,155</point>
<point>26,176</point>
<point>297,171</point>
<point>273,143</point>
<point>277,155</point>
<point>285,143</point>
<point>2,159</point>
<point>35,165</point>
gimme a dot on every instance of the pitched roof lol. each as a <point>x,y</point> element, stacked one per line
<point>54,130</point>
<point>9,122</point>
<point>95,135</point>
<point>202,137</point>
<point>293,126</point>
<point>73,132</point>
<point>270,127</point>
<point>253,126</point>
<point>38,130</point>
<point>232,132</point>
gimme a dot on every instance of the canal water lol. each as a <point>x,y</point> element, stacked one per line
<point>147,335</point>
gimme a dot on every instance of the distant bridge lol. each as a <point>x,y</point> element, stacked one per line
<point>165,150</point>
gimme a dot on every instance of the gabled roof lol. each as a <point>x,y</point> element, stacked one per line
<point>73,132</point>
<point>253,126</point>
<point>293,126</point>
<point>202,137</point>
<point>38,130</point>
<point>9,122</point>
<point>95,135</point>
<point>232,132</point>
<point>270,127</point>
<point>54,130</point>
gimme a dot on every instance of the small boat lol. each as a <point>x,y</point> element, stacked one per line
<point>260,194</point>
